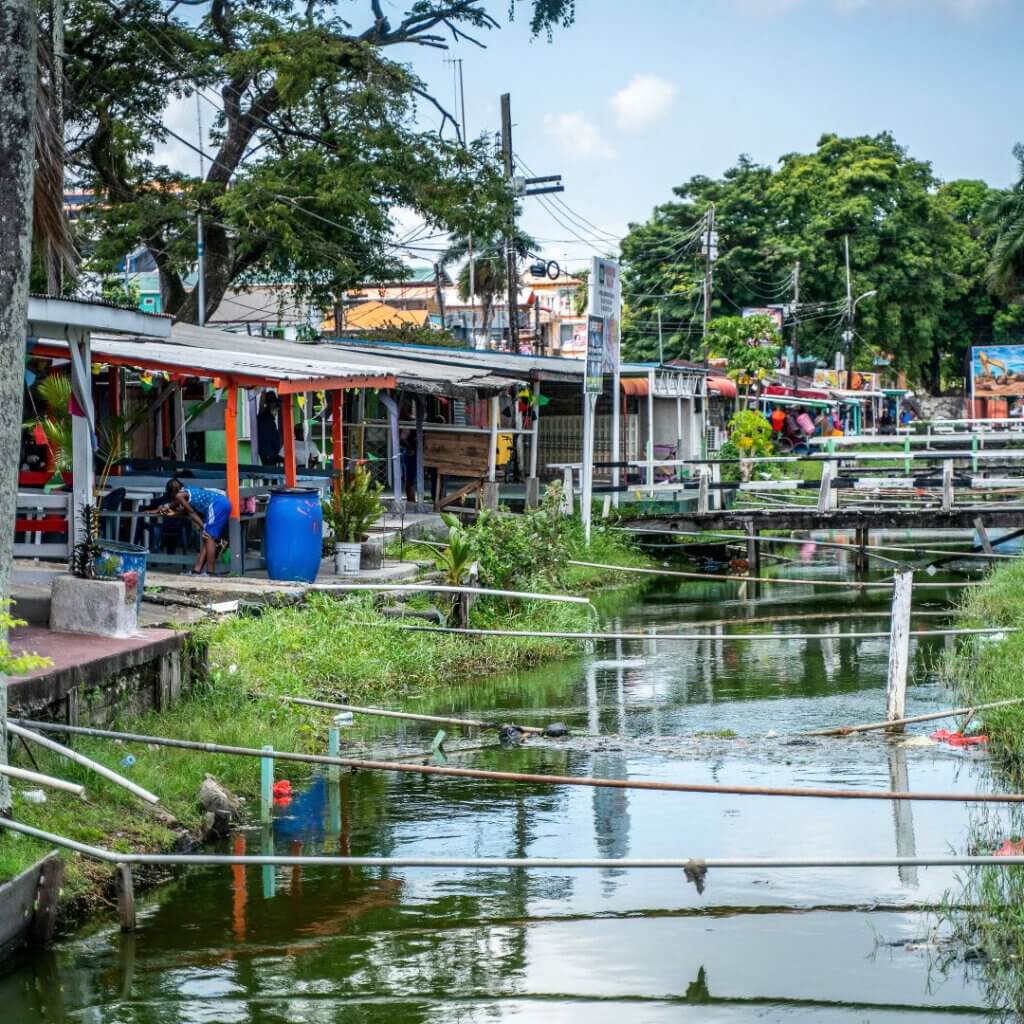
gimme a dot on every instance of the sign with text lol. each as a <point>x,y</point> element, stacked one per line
<point>593,376</point>
<point>604,300</point>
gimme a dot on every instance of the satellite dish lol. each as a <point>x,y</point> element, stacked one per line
<point>554,270</point>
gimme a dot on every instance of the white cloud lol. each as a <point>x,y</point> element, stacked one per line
<point>577,137</point>
<point>643,101</point>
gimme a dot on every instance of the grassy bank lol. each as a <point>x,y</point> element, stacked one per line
<point>987,670</point>
<point>330,648</point>
<point>985,913</point>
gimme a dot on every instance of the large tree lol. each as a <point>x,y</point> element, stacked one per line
<point>919,245</point>
<point>17,138</point>
<point>317,136</point>
<point>1006,213</point>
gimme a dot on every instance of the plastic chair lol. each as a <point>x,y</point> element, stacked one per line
<point>112,502</point>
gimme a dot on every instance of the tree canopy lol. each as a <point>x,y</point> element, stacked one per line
<point>316,135</point>
<point>922,246</point>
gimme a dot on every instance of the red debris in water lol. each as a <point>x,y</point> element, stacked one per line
<point>957,739</point>
<point>1010,848</point>
<point>282,788</point>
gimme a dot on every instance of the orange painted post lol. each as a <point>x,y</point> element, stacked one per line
<point>288,434</point>
<point>231,450</point>
<point>337,438</point>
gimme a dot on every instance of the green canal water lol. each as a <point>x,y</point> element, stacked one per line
<point>362,946</point>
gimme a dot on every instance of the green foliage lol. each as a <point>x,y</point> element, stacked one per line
<point>87,550</point>
<point>15,664</point>
<point>750,344</point>
<point>750,436</point>
<point>355,507</point>
<point>1006,213</point>
<point>55,392</point>
<point>921,244</point>
<point>524,552</point>
<point>318,142</point>
<point>490,267</point>
<point>456,559</point>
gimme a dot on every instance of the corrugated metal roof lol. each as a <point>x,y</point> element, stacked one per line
<point>519,366</point>
<point>410,375</point>
<point>252,368</point>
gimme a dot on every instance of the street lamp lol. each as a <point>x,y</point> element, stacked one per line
<point>848,333</point>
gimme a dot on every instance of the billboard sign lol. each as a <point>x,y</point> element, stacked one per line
<point>593,379</point>
<point>837,379</point>
<point>774,313</point>
<point>997,371</point>
<point>604,300</point>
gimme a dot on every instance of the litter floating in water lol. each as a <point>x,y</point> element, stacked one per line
<point>957,739</point>
<point>282,793</point>
<point>1010,848</point>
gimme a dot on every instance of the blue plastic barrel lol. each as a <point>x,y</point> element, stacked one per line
<point>293,541</point>
<point>127,562</point>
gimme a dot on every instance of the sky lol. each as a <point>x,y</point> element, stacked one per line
<point>638,96</point>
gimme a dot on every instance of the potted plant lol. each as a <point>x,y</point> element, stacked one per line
<point>353,508</point>
<point>95,596</point>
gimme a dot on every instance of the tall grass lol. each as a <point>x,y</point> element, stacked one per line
<point>985,914</point>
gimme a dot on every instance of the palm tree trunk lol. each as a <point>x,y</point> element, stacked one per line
<point>17,142</point>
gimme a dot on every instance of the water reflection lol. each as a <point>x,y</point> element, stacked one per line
<point>318,945</point>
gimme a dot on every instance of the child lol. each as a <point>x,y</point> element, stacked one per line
<point>210,511</point>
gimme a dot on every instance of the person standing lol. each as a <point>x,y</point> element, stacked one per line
<point>268,432</point>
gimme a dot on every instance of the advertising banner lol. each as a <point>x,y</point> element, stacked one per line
<point>997,371</point>
<point>604,300</point>
<point>593,380</point>
<point>837,379</point>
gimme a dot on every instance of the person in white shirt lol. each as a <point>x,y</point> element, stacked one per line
<point>306,452</point>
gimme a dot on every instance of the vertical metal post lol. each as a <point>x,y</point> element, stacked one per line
<point>492,449</point>
<point>650,434</point>
<point>334,750</point>
<point>532,481</point>
<point>266,785</point>
<point>906,453</point>
<point>420,469</point>
<point>510,240</point>
<point>82,427</point>
<point>679,438</point>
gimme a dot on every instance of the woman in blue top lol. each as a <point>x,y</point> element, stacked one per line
<point>209,510</point>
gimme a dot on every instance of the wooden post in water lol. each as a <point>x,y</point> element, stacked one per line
<point>899,649</point>
<point>753,550</point>
<point>125,896</point>
<point>703,479</point>
<point>947,485</point>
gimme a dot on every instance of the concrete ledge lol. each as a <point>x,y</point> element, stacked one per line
<point>93,678</point>
<point>91,606</point>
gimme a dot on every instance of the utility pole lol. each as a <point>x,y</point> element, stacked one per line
<point>510,238</point>
<point>796,320</point>
<point>710,254</point>
<point>200,241</point>
<point>848,318</point>
<point>439,287</point>
<point>17,165</point>
<point>661,347</point>
<point>469,235</point>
